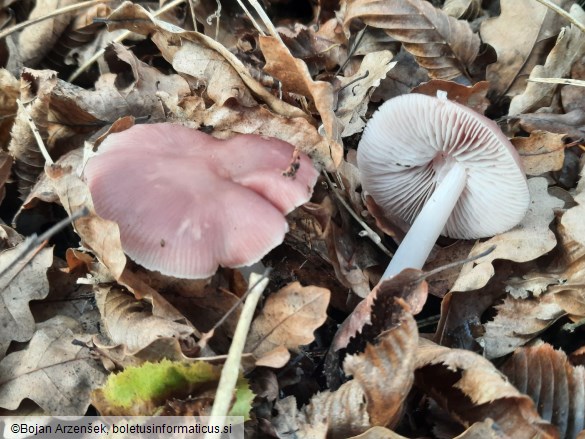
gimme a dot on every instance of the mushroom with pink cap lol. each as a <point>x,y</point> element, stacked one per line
<point>442,167</point>
<point>186,202</point>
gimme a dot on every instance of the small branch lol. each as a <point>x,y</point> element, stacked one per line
<point>252,19</point>
<point>549,4</point>
<point>231,367</point>
<point>36,133</point>
<point>368,231</point>
<point>53,14</point>
<point>260,11</point>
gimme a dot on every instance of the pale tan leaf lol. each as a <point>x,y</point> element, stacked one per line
<point>378,433</point>
<point>355,90</point>
<point>541,152</point>
<point>529,25</point>
<point>506,331</point>
<point>446,47</point>
<point>569,47</point>
<point>53,371</point>
<point>129,322</point>
<point>18,286</point>
<point>525,242</point>
<point>276,358</point>
<point>556,387</point>
<point>572,220</point>
<point>289,318</point>
<point>471,389</point>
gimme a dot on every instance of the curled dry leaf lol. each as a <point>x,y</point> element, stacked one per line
<point>38,39</point>
<point>130,322</point>
<point>540,152</point>
<point>382,378</point>
<point>446,47</point>
<point>289,318</point>
<point>506,331</point>
<point>355,90</point>
<point>527,241</point>
<point>556,387</point>
<point>529,25</point>
<point>471,389</point>
<point>53,371</point>
<point>569,48</point>
<point>464,9</point>
<point>23,283</point>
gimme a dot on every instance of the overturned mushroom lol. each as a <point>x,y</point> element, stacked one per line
<point>186,202</point>
<point>443,166</point>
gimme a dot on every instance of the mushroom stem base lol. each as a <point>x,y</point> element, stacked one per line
<point>430,222</point>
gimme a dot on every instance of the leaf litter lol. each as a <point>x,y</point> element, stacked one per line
<point>506,356</point>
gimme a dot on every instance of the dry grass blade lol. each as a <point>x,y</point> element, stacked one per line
<point>562,81</point>
<point>444,46</point>
<point>551,5</point>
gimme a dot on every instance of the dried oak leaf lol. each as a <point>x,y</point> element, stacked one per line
<point>471,389</point>
<point>37,40</point>
<point>382,378</point>
<point>355,90</point>
<point>540,152</point>
<point>446,47</point>
<point>23,283</point>
<point>289,318</point>
<point>569,47</point>
<point>129,322</point>
<point>506,331</point>
<point>556,387</point>
<point>529,26</point>
<point>527,241</point>
<point>53,371</point>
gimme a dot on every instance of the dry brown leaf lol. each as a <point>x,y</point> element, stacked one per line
<point>506,331</point>
<point>483,430</point>
<point>378,433</point>
<point>572,220</point>
<point>570,123</point>
<point>540,152</point>
<point>471,389</point>
<point>53,371</point>
<point>529,25</point>
<point>37,40</point>
<point>556,387</point>
<point>464,9</point>
<point>5,168</point>
<point>569,47</point>
<point>527,241</point>
<point>473,97</point>
<point>382,378</point>
<point>9,92</point>
<point>130,322</point>
<point>446,47</point>
<point>20,285</point>
<point>355,91</point>
<point>289,318</point>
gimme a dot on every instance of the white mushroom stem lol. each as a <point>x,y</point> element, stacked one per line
<point>430,222</point>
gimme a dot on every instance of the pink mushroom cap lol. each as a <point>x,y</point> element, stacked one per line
<point>186,202</point>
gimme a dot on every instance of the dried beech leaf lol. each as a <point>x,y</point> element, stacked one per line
<point>541,152</point>
<point>506,331</point>
<point>529,25</point>
<point>355,90</point>
<point>382,378</point>
<point>20,285</point>
<point>556,387</point>
<point>569,47</point>
<point>289,318</point>
<point>38,39</point>
<point>525,242</point>
<point>53,371</point>
<point>471,389</point>
<point>446,47</point>
<point>129,322</point>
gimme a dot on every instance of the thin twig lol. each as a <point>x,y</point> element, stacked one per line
<point>53,14</point>
<point>563,81</point>
<point>34,243</point>
<point>118,39</point>
<point>231,367</point>
<point>549,4</point>
<point>260,11</point>
<point>36,133</point>
<point>368,231</point>
<point>251,17</point>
